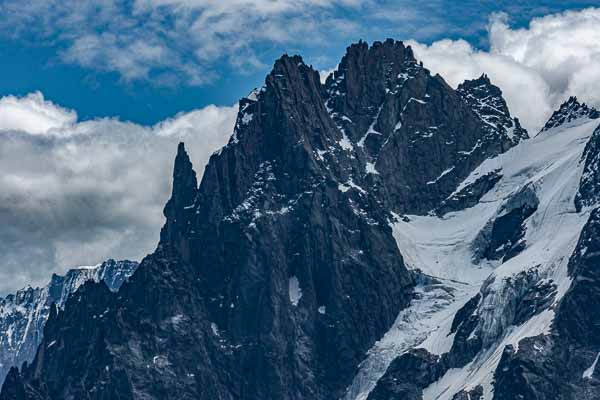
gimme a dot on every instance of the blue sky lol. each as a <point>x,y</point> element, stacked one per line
<point>39,52</point>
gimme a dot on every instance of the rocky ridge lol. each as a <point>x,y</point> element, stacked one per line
<point>569,111</point>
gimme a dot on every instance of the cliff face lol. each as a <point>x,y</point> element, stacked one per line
<point>276,275</point>
<point>417,138</point>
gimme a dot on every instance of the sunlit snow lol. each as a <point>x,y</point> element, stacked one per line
<point>294,290</point>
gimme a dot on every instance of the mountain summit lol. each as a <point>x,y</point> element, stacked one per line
<point>569,111</point>
<point>381,235</point>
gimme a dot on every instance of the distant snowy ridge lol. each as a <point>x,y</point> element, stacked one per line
<point>24,314</point>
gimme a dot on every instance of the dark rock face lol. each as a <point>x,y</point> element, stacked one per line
<point>462,317</point>
<point>570,111</point>
<point>273,212</point>
<point>140,343</point>
<point>185,189</point>
<point>280,270</point>
<point>407,376</point>
<point>24,314</point>
<point>589,185</point>
<point>487,102</point>
<point>475,394</point>
<point>572,320</point>
<point>470,195</point>
<point>417,137</point>
<point>502,237</point>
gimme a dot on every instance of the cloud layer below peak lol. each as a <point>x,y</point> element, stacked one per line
<point>74,193</point>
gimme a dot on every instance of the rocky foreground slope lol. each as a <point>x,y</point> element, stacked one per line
<point>24,314</point>
<point>380,236</point>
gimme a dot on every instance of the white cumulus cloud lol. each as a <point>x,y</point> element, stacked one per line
<point>537,67</point>
<point>564,49</point>
<point>33,114</point>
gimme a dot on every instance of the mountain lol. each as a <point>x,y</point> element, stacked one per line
<point>379,236</point>
<point>24,314</point>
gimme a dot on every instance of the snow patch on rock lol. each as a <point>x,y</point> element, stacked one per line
<point>294,291</point>
<point>587,374</point>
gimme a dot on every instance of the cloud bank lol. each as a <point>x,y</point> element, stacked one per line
<point>537,67</point>
<point>34,115</point>
<point>74,193</point>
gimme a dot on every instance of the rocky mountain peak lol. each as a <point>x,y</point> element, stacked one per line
<point>390,109</point>
<point>388,51</point>
<point>569,111</point>
<point>185,188</point>
<point>488,103</point>
<point>481,87</point>
<point>363,79</point>
<point>184,177</point>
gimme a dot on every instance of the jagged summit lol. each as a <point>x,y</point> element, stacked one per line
<point>386,52</point>
<point>363,79</point>
<point>487,101</point>
<point>184,176</point>
<point>569,111</point>
<point>483,82</point>
<point>183,195</point>
<point>390,110</point>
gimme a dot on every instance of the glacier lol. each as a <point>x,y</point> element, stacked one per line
<point>442,247</point>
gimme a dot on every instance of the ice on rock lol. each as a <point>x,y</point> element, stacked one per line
<point>370,168</point>
<point>294,291</point>
<point>345,143</point>
<point>425,323</point>
<point>590,371</point>
<point>214,328</point>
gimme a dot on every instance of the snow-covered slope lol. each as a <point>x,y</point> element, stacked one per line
<point>511,249</point>
<point>425,323</point>
<point>24,314</point>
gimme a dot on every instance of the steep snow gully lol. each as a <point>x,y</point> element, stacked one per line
<point>445,248</point>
